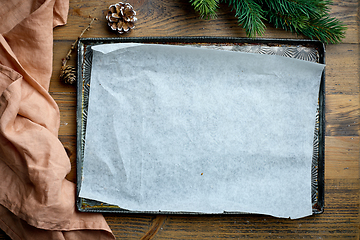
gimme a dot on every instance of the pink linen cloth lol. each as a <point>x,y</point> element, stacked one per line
<point>36,201</point>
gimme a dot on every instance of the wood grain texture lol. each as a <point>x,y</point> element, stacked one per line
<point>342,157</point>
<point>342,69</point>
<point>340,221</point>
<point>342,115</point>
<point>177,18</point>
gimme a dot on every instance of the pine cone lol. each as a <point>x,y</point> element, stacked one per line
<point>121,17</point>
<point>68,74</point>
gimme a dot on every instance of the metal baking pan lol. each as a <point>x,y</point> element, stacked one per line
<point>308,50</point>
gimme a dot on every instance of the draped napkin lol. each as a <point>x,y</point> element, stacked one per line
<point>36,201</point>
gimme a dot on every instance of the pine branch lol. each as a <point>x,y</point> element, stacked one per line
<point>323,28</point>
<point>250,16</point>
<point>326,29</point>
<point>206,8</point>
<point>308,17</point>
<point>309,8</point>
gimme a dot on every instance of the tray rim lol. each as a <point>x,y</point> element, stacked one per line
<point>166,40</point>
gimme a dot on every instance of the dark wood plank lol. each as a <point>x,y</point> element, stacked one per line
<point>342,156</point>
<point>177,18</point>
<point>348,12</point>
<point>339,221</point>
<point>342,69</point>
<point>342,115</point>
<point>67,105</point>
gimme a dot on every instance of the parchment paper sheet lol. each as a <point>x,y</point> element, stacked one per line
<point>176,128</point>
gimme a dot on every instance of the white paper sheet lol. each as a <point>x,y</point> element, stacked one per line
<point>175,128</point>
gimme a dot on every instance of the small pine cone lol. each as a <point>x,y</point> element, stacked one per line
<point>68,74</point>
<point>121,17</point>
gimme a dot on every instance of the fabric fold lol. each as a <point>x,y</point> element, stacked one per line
<point>36,201</point>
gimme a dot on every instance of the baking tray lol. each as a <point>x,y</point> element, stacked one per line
<point>308,50</point>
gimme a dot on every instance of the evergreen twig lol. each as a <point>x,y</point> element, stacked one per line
<point>73,45</point>
<point>206,8</point>
<point>309,8</point>
<point>68,72</point>
<point>326,29</point>
<point>250,16</point>
<point>308,17</point>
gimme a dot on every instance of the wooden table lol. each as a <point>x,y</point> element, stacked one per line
<point>177,18</point>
